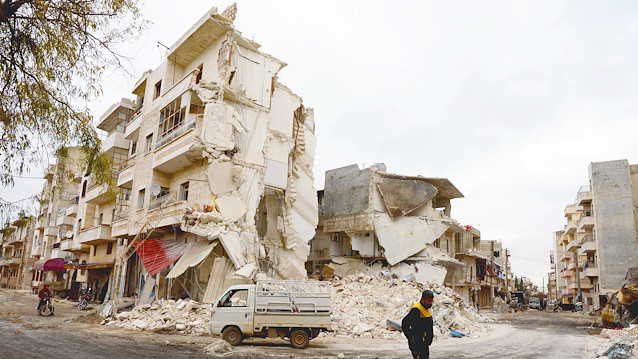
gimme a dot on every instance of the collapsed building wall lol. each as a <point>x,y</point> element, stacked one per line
<point>391,222</point>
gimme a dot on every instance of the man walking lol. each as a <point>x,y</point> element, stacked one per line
<point>418,326</point>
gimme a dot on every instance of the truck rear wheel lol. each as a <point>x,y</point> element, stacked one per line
<point>232,335</point>
<point>299,338</point>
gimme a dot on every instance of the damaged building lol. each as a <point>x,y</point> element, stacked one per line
<point>376,222</point>
<point>213,163</point>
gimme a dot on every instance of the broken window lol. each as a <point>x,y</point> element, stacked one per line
<point>183,192</point>
<point>158,89</point>
<point>149,143</point>
<point>171,117</point>
<point>140,199</point>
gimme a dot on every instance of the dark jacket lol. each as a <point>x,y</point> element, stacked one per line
<point>44,292</point>
<point>414,327</point>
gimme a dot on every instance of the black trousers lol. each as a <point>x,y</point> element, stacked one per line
<point>42,301</point>
<point>422,354</point>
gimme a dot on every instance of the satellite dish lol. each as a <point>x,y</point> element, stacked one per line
<point>155,190</point>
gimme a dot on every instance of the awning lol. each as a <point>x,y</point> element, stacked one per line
<point>158,254</point>
<point>195,253</point>
<point>89,265</point>
<point>55,264</point>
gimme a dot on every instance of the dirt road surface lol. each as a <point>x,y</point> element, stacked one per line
<point>77,334</point>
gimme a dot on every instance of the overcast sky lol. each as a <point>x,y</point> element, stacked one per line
<point>509,100</point>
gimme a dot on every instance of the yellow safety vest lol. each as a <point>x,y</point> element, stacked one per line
<point>425,313</point>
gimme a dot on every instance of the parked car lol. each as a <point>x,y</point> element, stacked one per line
<point>534,303</point>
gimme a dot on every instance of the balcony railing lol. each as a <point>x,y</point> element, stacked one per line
<point>128,163</point>
<point>169,137</point>
<point>582,190</point>
<point>161,200</point>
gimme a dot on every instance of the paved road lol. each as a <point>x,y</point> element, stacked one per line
<point>25,335</point>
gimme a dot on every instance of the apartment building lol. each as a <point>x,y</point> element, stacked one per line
<point>14,239</point>
<point>215,156</point>
<point>598,243</point>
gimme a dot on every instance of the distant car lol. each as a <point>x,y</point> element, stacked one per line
<point>534,303</point>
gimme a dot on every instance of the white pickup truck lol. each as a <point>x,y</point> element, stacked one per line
<point>297,310</point>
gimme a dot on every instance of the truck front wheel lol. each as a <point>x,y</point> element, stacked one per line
<point>299,338</point>
<point>232,335</point>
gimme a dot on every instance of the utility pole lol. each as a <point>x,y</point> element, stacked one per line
<point>577,274</point>
<point>507,274</point>
<point>492,276</point>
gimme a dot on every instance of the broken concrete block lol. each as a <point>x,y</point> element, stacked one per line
<point>304,229</point>
<point>276,174</point>
<point>401,238</point>
<point>231,207</point>
<point>232,246</point>
<point>217,127</point>
<point>402,196</point>
<point>428,273</point>
<point>220,178</point>
<point>246,271</point>
<point>279,149</point>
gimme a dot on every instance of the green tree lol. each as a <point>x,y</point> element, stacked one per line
<point>53,54</point>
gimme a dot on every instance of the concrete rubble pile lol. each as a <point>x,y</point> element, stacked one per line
<point>363,304</point>
<point>183,316</point>
<point>615,344</point>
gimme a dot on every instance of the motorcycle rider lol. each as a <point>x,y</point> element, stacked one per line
<point>44,293</point>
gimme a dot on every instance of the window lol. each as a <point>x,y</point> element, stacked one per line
<point>133,147</point>
<point>234,298</point>
<point>109,248</point>
<point>171,117</point>
<point>183,192</point>
<point>94,251</point>
<point>149,143</point>
<point>158,89</point>
<point>140,199</point>
<point>84,189</point>
<point>100,218</point>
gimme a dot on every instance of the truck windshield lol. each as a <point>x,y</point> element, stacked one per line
<point>234,298</point>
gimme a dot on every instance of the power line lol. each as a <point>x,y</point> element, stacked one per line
<point>18,176</point>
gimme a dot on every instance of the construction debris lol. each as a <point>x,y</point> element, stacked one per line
<point>170,316</point>
<point>372,307</point>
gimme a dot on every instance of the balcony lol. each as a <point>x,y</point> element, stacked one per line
<point>588,246</point>
<point>567,273</point>
<point>64,219</point>
<point>172,212</point>
<point>40,223</point>
<point>133,126</point>
<point>114,140</point>
<point>72,210</point>
<point>585,223</point>
<point>573,245</point>
<point>566,292</point>
<point>14,261</point>
<point>562,257</point>
<point>69,246</point>
<point>173,151</point>
<point>591,272</point>
<point>125,175</point>
<point>570,228</point>
<point>119,227</point>
<point>97,194</point>
<point>95,235</point>
<point>583,285</point>
<point>584,196</point>
<point>51,231</point>
<point>36,251</point>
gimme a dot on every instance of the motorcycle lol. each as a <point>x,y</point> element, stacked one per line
<point>46,308</point>
<point>85,296</point>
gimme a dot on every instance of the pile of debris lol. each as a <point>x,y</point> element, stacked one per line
<point>166,316</point>
<point>614,343</point>
<point>372,307</point>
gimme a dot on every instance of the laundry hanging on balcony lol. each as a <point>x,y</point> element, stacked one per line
<point>158,254</point>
